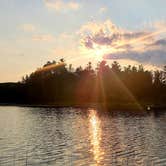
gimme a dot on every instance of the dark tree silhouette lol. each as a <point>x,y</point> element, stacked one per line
<point>60,84</point>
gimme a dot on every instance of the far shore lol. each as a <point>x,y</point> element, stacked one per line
<point>132,107</point>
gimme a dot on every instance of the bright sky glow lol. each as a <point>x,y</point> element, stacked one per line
<point>33,32</point>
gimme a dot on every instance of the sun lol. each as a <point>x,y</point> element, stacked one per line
<point>97,52</point>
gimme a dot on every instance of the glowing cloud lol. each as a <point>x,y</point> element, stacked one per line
<point>60,5</point>
<point>145,46</point>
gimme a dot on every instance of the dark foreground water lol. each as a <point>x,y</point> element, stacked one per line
<point>69,136</point>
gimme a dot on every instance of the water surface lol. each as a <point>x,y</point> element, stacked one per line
<point>80,137</point>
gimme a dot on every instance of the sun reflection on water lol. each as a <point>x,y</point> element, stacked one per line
<point>95,136</point>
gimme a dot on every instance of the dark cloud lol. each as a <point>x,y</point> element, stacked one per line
<point>88,42</point>
<point>154,57</point>
<point>134,35</point>
<point>102,38</point>
<point>161,42</point>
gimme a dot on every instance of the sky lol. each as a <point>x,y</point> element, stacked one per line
<point>33,32</point>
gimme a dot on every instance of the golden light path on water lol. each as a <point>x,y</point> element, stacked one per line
<point>95,136</point>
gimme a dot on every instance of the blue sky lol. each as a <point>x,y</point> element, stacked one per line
<point>35,31</point>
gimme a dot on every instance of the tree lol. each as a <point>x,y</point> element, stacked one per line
<point>116,67</point>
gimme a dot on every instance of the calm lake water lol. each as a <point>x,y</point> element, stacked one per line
<point>80,137</point>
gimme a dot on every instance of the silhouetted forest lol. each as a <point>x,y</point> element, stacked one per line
<point>59,83</point>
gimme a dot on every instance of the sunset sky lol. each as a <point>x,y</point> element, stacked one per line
<point>35,31</point>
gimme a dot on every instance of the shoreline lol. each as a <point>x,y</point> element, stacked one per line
<point>109,107</point>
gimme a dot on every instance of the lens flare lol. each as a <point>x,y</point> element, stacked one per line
<point>50,67</point>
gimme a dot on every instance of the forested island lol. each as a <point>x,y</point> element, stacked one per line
<point>59,84</point>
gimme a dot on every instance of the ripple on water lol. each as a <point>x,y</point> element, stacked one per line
<point>42,136</point>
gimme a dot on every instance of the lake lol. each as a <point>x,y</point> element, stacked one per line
<point>80,137</point>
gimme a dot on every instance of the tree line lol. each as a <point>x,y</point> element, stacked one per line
<point>59,83</point>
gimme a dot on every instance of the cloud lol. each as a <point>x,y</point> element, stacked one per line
<point>109,34</point>
<point>160,44</point>
<point>60,5</point>
<point>43,37</point>
<point>145,45</point>
<point>96,27</point>
<point>156,57</point>
<point>28,27</point>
